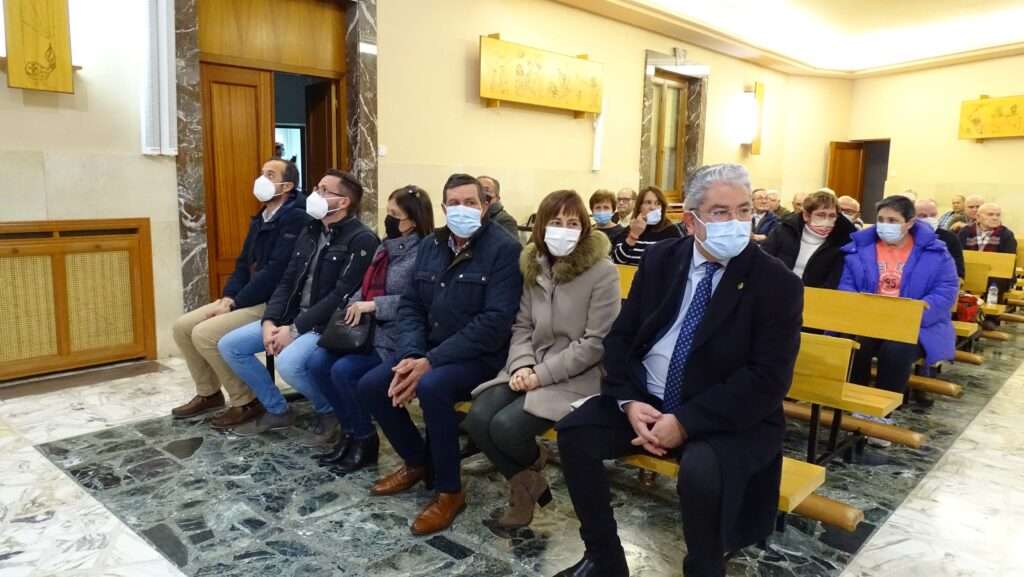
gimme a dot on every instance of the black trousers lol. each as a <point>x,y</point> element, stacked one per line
<point>582,450</point>
<point>504,431</point>
<point>895,363</point>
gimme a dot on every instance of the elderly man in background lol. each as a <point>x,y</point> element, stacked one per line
<point>850,208</point>
<point>624,207</point>
<point>775,203</point>
<point>947,220</point>
<point>798,201</point>
<point>927,212</point>
<point>971,206</point>
<point>764,219</point>
<point>496,213</point>
<point>989,235</point>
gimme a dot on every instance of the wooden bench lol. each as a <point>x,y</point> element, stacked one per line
<point>872,316</point>
<point>799,481</point>
<point>626,274</point>
<point>979,269</point>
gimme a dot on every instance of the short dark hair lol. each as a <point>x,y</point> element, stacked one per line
<point>462,179</point>
<point>415,203</point>
<point>549,208</point>
<point>497,185</point>
<point>602,195</point>
<point>291,174</point>
<point>900,204</point>
<point>354,188</point>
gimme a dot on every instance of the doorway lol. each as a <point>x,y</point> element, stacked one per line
<point>859,169</point>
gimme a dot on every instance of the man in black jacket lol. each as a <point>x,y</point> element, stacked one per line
<point>264,256</point>
<point>928,213</point>
<point>698,363</point>
<point>327,266</point>
<point>809,242</point>
<point>496,213</point>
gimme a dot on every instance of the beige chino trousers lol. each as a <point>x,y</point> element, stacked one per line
<point>197,338</point>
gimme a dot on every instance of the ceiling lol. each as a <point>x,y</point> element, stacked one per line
<point>856,35</point>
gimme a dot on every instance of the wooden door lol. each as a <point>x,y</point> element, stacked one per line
<point>238,137</point>
<point>319,132</point>
<point>846,168</point>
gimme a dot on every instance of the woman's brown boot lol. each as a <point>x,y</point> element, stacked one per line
<point>528,488</point>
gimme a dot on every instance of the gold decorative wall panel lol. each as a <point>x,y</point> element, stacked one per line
<point>38,45</point>
<point>99,288</point>
<point>516,73</point>
<point>28,325</point>
<point>992,118</point>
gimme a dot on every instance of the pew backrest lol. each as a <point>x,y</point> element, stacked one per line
<point>626,274</point>
<point>1003,265</point>
<point>864,315</point>
<point>976,276</point>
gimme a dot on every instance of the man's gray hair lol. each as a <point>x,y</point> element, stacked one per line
<point>702,179</point>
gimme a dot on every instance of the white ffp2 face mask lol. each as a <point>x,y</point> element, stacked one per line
<point>316,206</point>
<point>561,241</point>
<point>264,189</point>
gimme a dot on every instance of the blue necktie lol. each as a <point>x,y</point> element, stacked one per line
<point>684,342</point>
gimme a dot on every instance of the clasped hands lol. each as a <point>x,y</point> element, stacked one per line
<point>524,380</point>
<point>276,338</point>
<point>408,373</point>
<point>656,432</point>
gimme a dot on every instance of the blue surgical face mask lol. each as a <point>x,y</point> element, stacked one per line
<point>727,239</point>
<point>890,232</point>
<point>654,217</point>
<point>463,221</point>
<point>603,217</point>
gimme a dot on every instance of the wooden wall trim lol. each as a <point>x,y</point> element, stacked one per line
<point>268,65</point>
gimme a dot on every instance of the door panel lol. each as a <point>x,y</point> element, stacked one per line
<point>318,132</point>
<point>846,168</point>
<point>238,134</point>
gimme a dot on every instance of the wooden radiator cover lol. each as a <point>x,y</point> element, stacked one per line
<point>74,293</point>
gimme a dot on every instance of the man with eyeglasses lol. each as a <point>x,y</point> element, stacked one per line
<point>326,267</point>
<point>697,365</point>
<point>624,207</point>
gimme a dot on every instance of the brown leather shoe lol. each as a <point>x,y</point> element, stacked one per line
<point>440,513</point>
<point>235,416</point>
<point>401,480</point>
<point>199,405</point>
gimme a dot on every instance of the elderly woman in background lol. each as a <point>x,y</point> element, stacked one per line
<point>809,242</point>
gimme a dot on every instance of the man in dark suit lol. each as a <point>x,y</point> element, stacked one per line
<point>764,220</point>
<point>698,363</point>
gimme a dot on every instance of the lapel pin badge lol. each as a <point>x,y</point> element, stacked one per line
<point>739,287</point>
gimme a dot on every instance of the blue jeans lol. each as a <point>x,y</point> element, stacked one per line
<point>438,391</point>
<point>239,348</point>
<point>336,378</point>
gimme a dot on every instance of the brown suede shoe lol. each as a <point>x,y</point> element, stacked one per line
<point>401,480</point>
<point>440,513</point>
<point>199,405</point>
<point>237,415</point>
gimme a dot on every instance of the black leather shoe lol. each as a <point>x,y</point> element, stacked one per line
<point>587,567</point>
<point>335,455</point>
<point>361,453</point>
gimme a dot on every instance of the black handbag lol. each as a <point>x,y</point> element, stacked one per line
<point>341,338</point>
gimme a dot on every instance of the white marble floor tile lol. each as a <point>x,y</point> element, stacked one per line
<point>964,519</point>
<point>67,413</point>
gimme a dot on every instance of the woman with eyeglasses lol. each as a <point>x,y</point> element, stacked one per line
<point>809,242</point>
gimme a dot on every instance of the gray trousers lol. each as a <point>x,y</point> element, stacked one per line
<point>505,432</point>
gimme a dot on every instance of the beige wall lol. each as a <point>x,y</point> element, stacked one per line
<point>432,123</point>
<point>78,156</point>
<point>920,112</point>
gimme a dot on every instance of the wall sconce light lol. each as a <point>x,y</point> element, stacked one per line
<point>750,117</point>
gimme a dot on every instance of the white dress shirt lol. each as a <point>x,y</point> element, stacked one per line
<point>657,359</point>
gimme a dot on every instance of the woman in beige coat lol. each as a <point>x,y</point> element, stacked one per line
<point>570,300</point>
